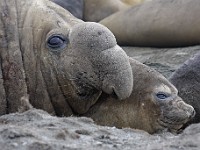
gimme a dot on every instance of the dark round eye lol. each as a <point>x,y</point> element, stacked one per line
<point>162,95</point>
<point>56,42</point>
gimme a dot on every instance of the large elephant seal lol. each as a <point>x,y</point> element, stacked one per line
<point>75,7</point>
<point>153,105</point>
<point>187,80</point>
<point>158,23</point>
<point>62,63</point>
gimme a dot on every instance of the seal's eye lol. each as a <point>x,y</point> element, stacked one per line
<point>56,42</point>
<point>162,95</point>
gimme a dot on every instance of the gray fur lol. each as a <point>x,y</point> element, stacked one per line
<point>187,81</point>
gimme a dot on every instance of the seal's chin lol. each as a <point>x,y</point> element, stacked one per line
<point>173,125</point>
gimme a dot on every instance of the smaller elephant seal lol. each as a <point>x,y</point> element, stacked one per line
<point>75,7</point>
<point>153,105</point>
<point>158,23</point>
<point>187,80</point>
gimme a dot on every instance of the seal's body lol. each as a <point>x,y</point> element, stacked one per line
<point>158,23</point>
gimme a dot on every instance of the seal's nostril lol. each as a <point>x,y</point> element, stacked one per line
<point>114,94</point>
<point>193,114</point>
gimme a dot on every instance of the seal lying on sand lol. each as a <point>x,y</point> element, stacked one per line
<point>67,66</point>
<point>153,105</point>
<point>187,81</point>
<point>159,23</point>
<point>63,63</point>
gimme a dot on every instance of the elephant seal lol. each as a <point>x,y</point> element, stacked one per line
<point>61,62</point>
<point>187,80</point>
<point>75,7</point>
<point>153,105</point>
<point>96,10</point>
<point>132,2</point>
<point>157,23</point>
<point>67,67</point>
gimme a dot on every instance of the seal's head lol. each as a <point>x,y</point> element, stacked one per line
<point>77,60</point>
<point>153,106</point>
<point>158,106</point>
<point>173,111</point>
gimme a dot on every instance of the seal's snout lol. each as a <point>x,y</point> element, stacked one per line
<point>97,44</point>
<point>193,114</point>
<point>91,37</point>
<point>188,109</point>
<point>116,74</point>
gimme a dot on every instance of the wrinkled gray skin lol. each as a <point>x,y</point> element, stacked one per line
<point>187,81</point>
<point>75,7</point>
<point>62,63</point>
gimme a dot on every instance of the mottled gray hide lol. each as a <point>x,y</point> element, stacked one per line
<point>62,63</point>
<point>187,81</point>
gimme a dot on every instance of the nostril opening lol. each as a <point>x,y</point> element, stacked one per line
<point>114,94</point>
<point>193,114</point>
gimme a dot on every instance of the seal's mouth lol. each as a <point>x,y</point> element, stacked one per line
<point>175,114</point>
<point>85,91</point>
<point>173,124</point>
<point>89,85</point>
